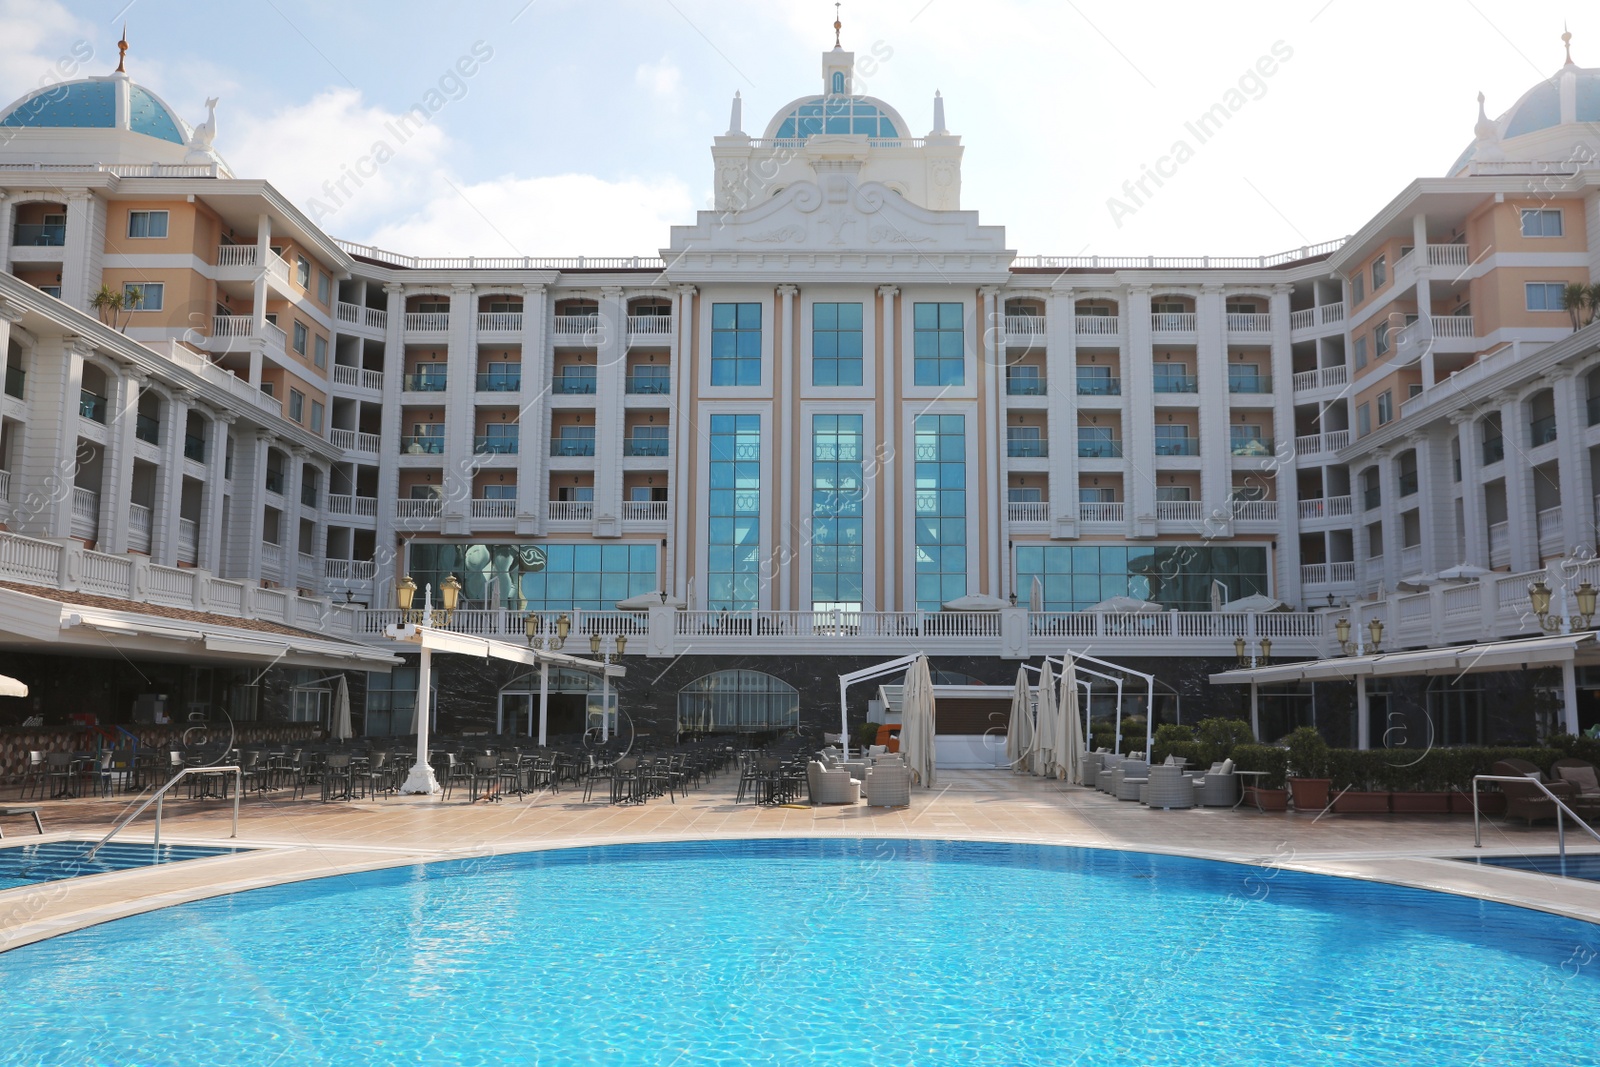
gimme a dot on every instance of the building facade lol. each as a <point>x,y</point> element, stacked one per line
<point>836,417</point>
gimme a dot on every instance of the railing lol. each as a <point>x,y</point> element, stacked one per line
<point>358,376</point>
<point>1028,511</point>
<point>500,446</point>
<point>500,381</point>
<point>1099,386</point>
<point>569,325</point>
<point>1309,318</point>
<point>397,259</point>
<point>1549,529</point>
<point>1454,255</point>
<point>1105,449</point>
<point>346,504</point>
<point>1097,325</point>
<point>1177,383</point>
<point>1250,446</point>
<point>499,322</point>
<point>1321,378</point>
<point>1172,322</point>
<point>305,565</point>
<point>573,384</point>
<point>572,446</point>
<point>138,528</point>
<point>1239,322</point>
<point>431,381</point>
<point>1255,510</point>
<point>644,446</point>
<point>427,321</point>
<point>39,234</point>
<point>1027,448</point>
<point>350,570</point>
<point>85,513</point>
<point>147,429</point>
<point>569,510</point>
<point>233,326</point>
<point>494,508</point>
<point>1325,507</point>
<point>1411,561</point>
<point>272,557</point>
<point>1327,573</point>
<point>424,445</point>
<point>1025,330</point>
<point>159,795</point>
<point>1101,511</point>
<point>644,511</point>
<point>1408,483</point>
<point>1541,431</point>
<point>649,384</point>
<point>1249,383</point>
<point>91,406</point>
<point>274,481</point>
<point>1314,443</point>
<point>1177,446</point>
<point>188,541</point>
<point>17,378</point>
<point>1452,326</point>
<point>376,318</point>
<point>236,256</point>
<point>1494,450</point>
<point>425,508</point>
<point>1562,811</point>
<point>1018,385</point>
<point>649,325</point>
<point>1180,511</point>
<point>1499,544</point>
<point>1276,259</point>
<point>5,485</point>
<point>354,441</point>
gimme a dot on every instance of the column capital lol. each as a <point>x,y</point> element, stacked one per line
<point>1282,288</point>
<point>1415,439</point>
<point>1212,287</point>
<point>534,288</point>
<point>78,346</point>
<point>266,437</point>
<point>134,373</point>
<point>393,287</point>
<point>687,289</point>
<point>222,416</point>
<point>1141,289</point>
<point>79,196</point>
<point>888,292</point>
<point>465,288</point>
<point>1462,418</point>
<point>990,291</point>
<point>184,395</point>
<point>611,290</point>
<point>788,289</point>
<point>10,314</point>
<point>1067,290</point>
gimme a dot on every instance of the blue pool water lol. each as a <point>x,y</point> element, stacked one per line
<point>814,952</point>
<point>50,861</point>
<point>1576,865</point>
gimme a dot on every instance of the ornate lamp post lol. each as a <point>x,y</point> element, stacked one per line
<point>1539,596</point>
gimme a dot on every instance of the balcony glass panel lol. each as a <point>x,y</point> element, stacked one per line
<point>147,429</point>
<point>91,406</point>
<point>574,380</point>
<point>1542,430</point>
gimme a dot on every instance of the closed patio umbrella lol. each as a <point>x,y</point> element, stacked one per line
<point>1036,595</point>
<point>10,687</point>
<point>916,721</point>
<point>1071,759</point>
<point>1254,602</point>
<point>1126,604</point>
<point>1049,736</point>
<point>340,726</point>
<point>1019,731</point>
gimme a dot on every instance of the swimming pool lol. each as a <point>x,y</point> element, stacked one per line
<point>51,861</point>
<point>814,951</point>
<point>1585,865</point>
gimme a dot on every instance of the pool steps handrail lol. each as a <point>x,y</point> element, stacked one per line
<point>1561,806</point>
<point>159,794</point>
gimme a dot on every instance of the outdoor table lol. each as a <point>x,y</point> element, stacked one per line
<point>1253,775</point>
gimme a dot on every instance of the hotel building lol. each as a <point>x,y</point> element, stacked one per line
<point>835,418</point>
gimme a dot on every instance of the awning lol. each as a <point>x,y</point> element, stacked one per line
<point>1460,659</point>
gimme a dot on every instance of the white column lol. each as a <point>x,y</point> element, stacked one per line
<point>1475,525</point>
<point>1061,380</point>
<point>994,349</point>
<point>1436,508</point>
<point>169,481</point>
<point>77,251</point>
<point>1423,271</point>
<point>683,419</point>
<point>249,502</point>
<point>1363,713</point>
<point>8,211</point>
<point>394,368</point>
<point>42,504</point>
<point>293,479</point>
<point>887,564</point>
<point>1216,454</point>
<point>1521,514</point>
<point>534,434</point>
<point>319,530</point>
<point>1577,502</point>
<point>610,359</point>
<point>116,479</point>
<point>461,367</point>
<point>1569,698</point>
<point>9,317</point>
<point>544,701</point>
<point>1138,406</point>
<point>420,779</point>
<point>1286,466</point>
<point>210,548</point>
<point>785,437</point>
<point>1389,511</point>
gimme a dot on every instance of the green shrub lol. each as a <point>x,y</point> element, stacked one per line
<point>867,734</point>
<point>1577,747</point>
<point>1308,753</point>
<point>1252,757</point>
<point>1219,737</point>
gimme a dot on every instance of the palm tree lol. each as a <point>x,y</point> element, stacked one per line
<point>111,304</point>
<point>1578,300</point>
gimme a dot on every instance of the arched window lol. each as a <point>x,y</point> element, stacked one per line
<point>737,702</point>
<point>838,83</point>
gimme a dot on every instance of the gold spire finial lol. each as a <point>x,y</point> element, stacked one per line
<point>122,49</point>
<point>837,26</point>
<point>1566,39</point>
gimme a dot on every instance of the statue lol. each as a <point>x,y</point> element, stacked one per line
<point>200,142</point>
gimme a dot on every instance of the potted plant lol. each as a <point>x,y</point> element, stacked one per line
<point>1357,778</point>
<point>1418,782</point>
<point>1268,792</point>
<point>1308,769</point>
<point>1464,763</point>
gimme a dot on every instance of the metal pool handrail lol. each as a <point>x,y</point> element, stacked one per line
<point>1561,806</point>
<point>159,794</point>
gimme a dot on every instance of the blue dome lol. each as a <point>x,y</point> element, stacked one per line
<point>92,105</point>
<point>148,115</point>
<point>836,115</point>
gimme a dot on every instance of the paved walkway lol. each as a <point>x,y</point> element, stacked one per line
<point>309,839</point>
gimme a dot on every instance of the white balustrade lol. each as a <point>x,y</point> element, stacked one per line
<point>1452,326</point>
<point>1172,322</point>
<point>427,321</point>
<point>645,510</point>
<point>499,322</point>
<point>569,510</point>
<point>1098,325</point>
<point>139,528</point>
<point>426,508</point>
<point>1454,255</point>
<point>1549,528</point>
<point>650,325</point>
<point>188,541</point>
<point>497,508</point>
<point>1028,510</point>
<point>1101,511</point>
<point>1024,329</point>
<point>568,325</point>
<point>85,513</point>
<point>1180,511</point>
<point>1239,322</point>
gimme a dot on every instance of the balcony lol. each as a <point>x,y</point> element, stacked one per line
<point>1097,325</point>
<point>1371,499</point>
<point>583,327</point>
<point>147,429</point>
<point>649,384</point>
<point>1249,323</point>
<point>1177,383</point>
<point>1249,383</point>
<point>568,384</point>
<point>644,446</point>
<point>428,507</point>
<point>1101,511</point>
<point>1019,385</point>
<point>427,322</point>
<point>274,481</point>
<point>1019,511</point>
<point>1172,322</point>
<point>1494,450</point>
<point>271,559</point>
<point>356,315</point>
<point>644,511</point>
<point>495,445</point>
<point>1310,318</point>
<point>508,380</point>
<point>654,326</point>
<point>1408,483</point>
<point>429,381</point>
<point>569,510</point>
<point>1110,448</point>
<point>188,541</point>
<point>1177,446</point>
<point>494,508</point>
<point>1411,559</point>
<point>39,235</point>
<point>92,406</point>
<point>1027,448</point>
<point>1322,378</point>
<point>139,528</point>
<point>1591,406</point>
<point>1025,331</point>
<point>1313,444</point>
<point>1250,446</point>
<point>1499,544</point>
<point>236,332</point>
<point>427,444</point>
<point>85,513</point>
<point>499,322</point>
<point>344,504</point>
<point>1325,507</point>
<point>572,446</point>
<point>1452,326</point>
<point>16,379</point>
<point>1099,386</point>
<point>354,441</point>
<point>1549,530</point>
<point>349,570</point>
<point>1254,510</point>
<point>1180,511</point>
<point>358,377</point>
<point>1327,573</point>
<point>234,256</point>
<point>1542,431</point>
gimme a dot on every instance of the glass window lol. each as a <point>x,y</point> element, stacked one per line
<point>145,296</point>
<point>735,344</point>
<point>321,349</point>
<point>302,271</point>
<point>1541,222</point>
<point>1361,352</point>
<point>1385,407</point>
<point>838,555</point>
<point>1380,338</point>
<point>147,224</point>
<point>737,701</point>
<point>1546,296</point>
<point>940,518</point>
<point>1172,492</point>
<point>836,344</point>
<point>539,576</point>
<point>939,344</point>
<point>1358,288</point>
<point>499,492</point>
<point>1172,439</point>
<point>1022,494</point>
<point>300,336</point>
<point>1363,420</point>
<point>316,416</point>
<point>324,287</point>
<point>1380,273</point>
<point>1177,577</point>
<point>297,404</point>
<point>733,542</point>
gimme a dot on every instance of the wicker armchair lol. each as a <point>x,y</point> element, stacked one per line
<point>1168,788</point>
<point>1128,777</point>
<point>1528,801</point>
<point>1217,788</point>
<point>831,786</point>
<point>889,785</point>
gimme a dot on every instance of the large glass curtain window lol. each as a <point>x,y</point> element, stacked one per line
<point>837,532</point>
<point>1076,577</point>
<point>836,344</point>
<point>941,509</point>
<point>737,702</point>
<point>939,344</point>
<point>735,344</point>
<point>734,528</point>
<point>538,577</point>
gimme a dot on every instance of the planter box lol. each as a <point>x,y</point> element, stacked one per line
<point>1310,794</point>
<point>1267,799</point>
<point>1358,803</point>
<point>1490,803</point>
<point>1420,803</point>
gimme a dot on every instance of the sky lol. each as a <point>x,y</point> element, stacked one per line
<point>565,127</point>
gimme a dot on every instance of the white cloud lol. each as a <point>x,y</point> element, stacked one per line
<point>42,43</point>
<point>663,80</point>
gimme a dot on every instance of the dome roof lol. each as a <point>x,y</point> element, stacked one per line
<point>107,103</point>
<point>1569,97</point>
<point>809,116</point>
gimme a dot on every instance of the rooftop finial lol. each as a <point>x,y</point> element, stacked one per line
<point>1566,39</point>
<point>837,26</point>
<point>122,49</point>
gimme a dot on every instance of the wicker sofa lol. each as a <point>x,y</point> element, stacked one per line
<point>831,786</point>
<point>889,785</point>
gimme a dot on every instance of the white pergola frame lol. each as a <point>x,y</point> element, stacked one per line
<point>877,670</point>
<point>1117,680</point>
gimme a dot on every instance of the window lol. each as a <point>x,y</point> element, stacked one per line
<point>302,271</point>
<point>1246,378</point>
<point>539,577</point>
<point>575,492</point>
<point>735,344</point>
<point>1361,352</point>
<point>1178,577</point>
<point>1025,442</point>
<point>499,492</point>
<point>147,296</point>
<point>838,83</point>
<point>51,290</point>
<point>1358,288</point>
<point>573,441</point>
<point>838,555</point>
<point>1096,442</point>
<point>1173,378</point>
<point>836,344</point>
<point>147,224</point>
<point>1414,389</point>
<point>300,336</point>
<point>1546,296</point>
<point>1385,407</point>
<point>940,518</point>
<point>316,416</point>
<point>1172,493</point>
<point>1380,274</point>
<point>297,404</point>
<point>938,344</point>
<point>1541,222</point>
<point>1091,495</point>
<point>1363,420</point>
<point>733,548</point>
<point>1022,494</point>
<point>1166,308</point>
<point>1380,339</point>
<point>1024,379</point>
<point>738,701</point>
<point>1245,439</point>
<point>321,349</point>
<point>324,287</point>
<point>1172,439</point>
<point>1241,307</point>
